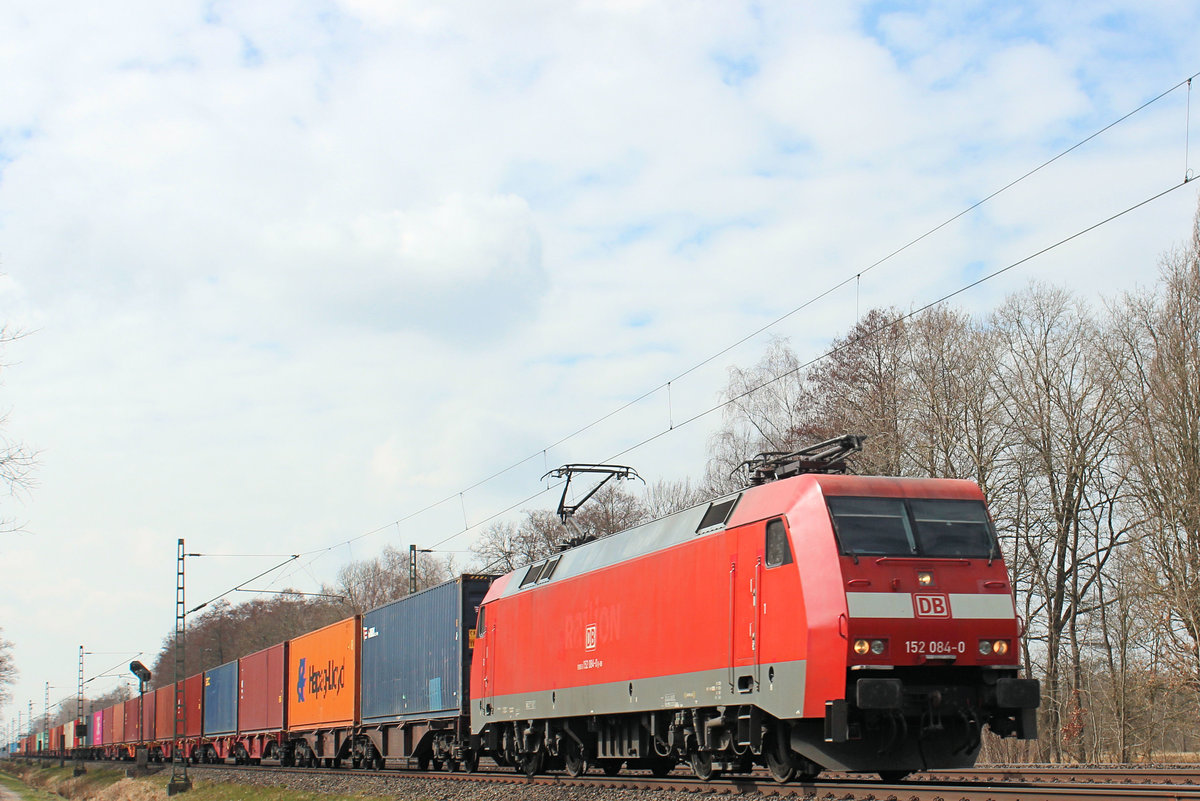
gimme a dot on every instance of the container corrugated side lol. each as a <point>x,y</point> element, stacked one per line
<point>133,721</point>
<point>322,674</point>
<point>221,699</point>
<point>193,705</point>
<point>149,704</point>
<point>416,651</point>
<point>164,713</point>
<point>117,729</point>
<point>96,732</point>
<point>262,683</point>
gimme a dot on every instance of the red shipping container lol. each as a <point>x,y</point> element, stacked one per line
<point>262,683</point>
<point>114,722</point>
<point>164,713</point>
<point>323,677</point>
<point>148,707</point>
<point>193,705</point>
<point>133,721</point>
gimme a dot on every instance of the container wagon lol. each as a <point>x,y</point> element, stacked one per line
<point>416,668</point>
<point>261,706</point>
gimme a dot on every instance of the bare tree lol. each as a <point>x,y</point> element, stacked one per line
<point>8,670</point>
<point>16,461</point>
<point>763,411</point>
<point>667,497</point>
<point>368,583</point>
<point>224,631</point>
<point>1064,409</point>
<point>505,546</point>
<point>1161,338</point>
<point>861,388</point>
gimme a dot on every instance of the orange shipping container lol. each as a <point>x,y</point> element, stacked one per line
<point>117,713</point>
<point>323,677</point>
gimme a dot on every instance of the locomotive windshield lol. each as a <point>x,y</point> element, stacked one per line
<point>912,527</point>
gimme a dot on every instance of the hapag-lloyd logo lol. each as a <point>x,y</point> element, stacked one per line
<point>331,678</point>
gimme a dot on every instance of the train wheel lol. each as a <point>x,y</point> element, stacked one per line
<point>611,767</point>
<point>470,762</point>
<point>893,775</point>
<point>781,768</point>
<point>702,765</point>
<point>531,764</point>
<point>423,763</point>
<point>574,762</point>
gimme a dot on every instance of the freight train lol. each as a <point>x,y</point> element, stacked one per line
<point>810,621</point>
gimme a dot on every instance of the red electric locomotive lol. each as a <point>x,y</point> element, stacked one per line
<point>812,621</point>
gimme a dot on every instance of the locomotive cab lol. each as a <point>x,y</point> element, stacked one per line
<point>929,630</point>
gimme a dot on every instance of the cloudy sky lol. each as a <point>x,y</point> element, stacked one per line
<point>292,271</point>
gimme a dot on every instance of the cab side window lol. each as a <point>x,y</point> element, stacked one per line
<point>779,550</point>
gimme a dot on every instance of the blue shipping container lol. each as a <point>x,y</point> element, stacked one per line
<point>221,699</point>
<point>416,652</point>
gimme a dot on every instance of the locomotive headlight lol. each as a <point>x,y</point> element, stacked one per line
<point>925,578</point>
<point>1000,647</point>
<point>878,647</point>
<point>985,647</point>
<point>861,647</point>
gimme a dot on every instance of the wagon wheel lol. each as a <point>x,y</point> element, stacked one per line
<point>531,764</point>
<point>702,765</point>
<point>575,762</point>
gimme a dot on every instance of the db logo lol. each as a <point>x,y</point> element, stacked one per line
<point>932,605</point>
<point>589,638</point>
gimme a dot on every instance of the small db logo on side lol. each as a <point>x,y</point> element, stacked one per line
<point>589,638</point>
<point>932,605</point>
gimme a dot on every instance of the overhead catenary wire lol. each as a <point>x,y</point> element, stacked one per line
<point>869,334</point>
<point>855,277</point>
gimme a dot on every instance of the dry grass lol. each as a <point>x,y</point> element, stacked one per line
<point>54,784</point>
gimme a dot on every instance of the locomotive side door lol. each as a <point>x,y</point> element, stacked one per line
<point>745,590</point>
<point>488,640</point>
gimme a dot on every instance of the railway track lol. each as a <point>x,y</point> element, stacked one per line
<point>1031,783</point>
<point>1021,783</point>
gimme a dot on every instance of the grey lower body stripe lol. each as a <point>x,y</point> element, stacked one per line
<point>778,688</point>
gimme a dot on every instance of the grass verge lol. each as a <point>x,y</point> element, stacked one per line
<point>31,783</point>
